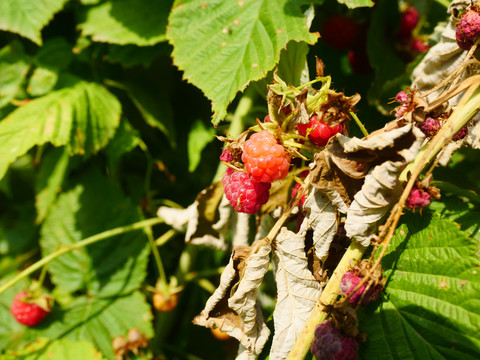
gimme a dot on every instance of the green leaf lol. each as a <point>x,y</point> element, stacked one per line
<point>42,81</point>
<point>132,55</point>
<point>223,45</point>
<point>198,137</point>
<point>84,116</point>
<point>56,54</point>
<point>125,140</point>
<point>53,170</point>
<point>138,22</point>
<point>112,266</point>
<point>432,295</point>
<point>14,66</point>
<point>62,349</point>
<point>352,4</point>
<point>97,321</point>
<point>27,17</point>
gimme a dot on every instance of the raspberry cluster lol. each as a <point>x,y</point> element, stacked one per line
<point>330,344</point>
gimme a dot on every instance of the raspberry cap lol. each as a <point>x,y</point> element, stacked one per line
<point>468,29</point>
<point>28,312</point>
<point>244,194</point>
<point>330,344</point>
<point>264,158</point>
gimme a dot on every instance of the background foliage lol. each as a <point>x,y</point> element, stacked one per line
<point>99,127</point>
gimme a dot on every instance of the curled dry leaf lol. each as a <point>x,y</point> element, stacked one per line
<point>382,186</point>
<point>297,291</point>
<point>234,307</point>
<point>206,221</point>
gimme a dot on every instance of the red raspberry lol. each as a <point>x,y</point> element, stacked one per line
<point>408,23</point>
<point>359,61</point>
<point>318,131</point>
<point>340,32</point>
<point>226,155</point>
<point>418,198</point>
<point>418,45</point>
<point>243,193</point>
<point>330,344</point>
<point>350,281</point>
<point>468,29</point>
<point>265,160</point>
<point>430,127</point>
<point>28,311</point>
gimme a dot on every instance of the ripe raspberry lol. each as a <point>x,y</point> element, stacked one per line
<point>29,311</point>
<point>430,127</point>
<point>243,193</point>
<point>318,131</point>
<point>265,160</point>
<point>418,45</point>
<point>461,134</point>
<point>226,155</point>
<point>330,344</point>
<point>340,32</point>
<point>468,29</point>
<point>408,22</point>
<point>350,281</point>
<point>418,198</point>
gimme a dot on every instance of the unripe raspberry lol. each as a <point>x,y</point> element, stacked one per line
<point>401,111</point>
<point>330,344</point>
<point>243,193</point>
<point>350,281</point>
<point>264,158</point>
<point>430,126</point>
<point>418,198</point>
<point>402,97</point>
<point>468,29</point>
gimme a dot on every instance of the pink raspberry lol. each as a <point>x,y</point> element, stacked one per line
<point>418,198</point>
<point>468,29</point>
<point>461,134</point>
<point>264,158</point>
<point>350,281</point>
<point>330,344</point>
<point>243,193</point>
<point>402,97</point>
<point>226,155</point>
<point>430,127</point>
<point>401,111</point>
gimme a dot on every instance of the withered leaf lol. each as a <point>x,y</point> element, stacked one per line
<point>234,307</point>
<point>381,189</point>
<point>297,292</point>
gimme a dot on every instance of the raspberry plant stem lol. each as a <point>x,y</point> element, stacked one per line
<point>162,277</point>
<point>359,123</point>
<point>82,243</point>
<point>329,295</point>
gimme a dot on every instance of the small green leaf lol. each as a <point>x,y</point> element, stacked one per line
<point>352,4</point>
<point>430,310</point>
<point>125,140</point>
<point>138,22</point>
<point>112,266</point>
<point>223,45</point>
<point>42,81</point>
<point>27,18</point>
<point>83,116</point>
<point>56,54</point>
<point>97,321</point>
<point>53,170</point>
<point>199,137</point>
<point>14,66</point>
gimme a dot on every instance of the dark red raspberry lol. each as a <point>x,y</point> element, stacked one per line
<point>350,281</point>
<point>418,198</point>
<point>264,158</point>
<point>468,29</point>
<point>431,126</point>
<point>340,32</point>
<point>408,22</point>
<point>318,131</point>
<point>28,310</point>
<point>243,193</point>
<point>330,344</point>
<point>461,134</point>
<point>418,45</point>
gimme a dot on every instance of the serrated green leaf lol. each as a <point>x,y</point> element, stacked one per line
<point>27,18</point>
<point>432,295</point>
<point>352,4</point>
<point>223,45</point>
<point>113,266</point>
<point>43,349</point>
<point>14,66</point>
<point>84,116</point>
<point>198,137</point>
<point>53,170</point>
<point>138,22</point>
<point>97,321</point>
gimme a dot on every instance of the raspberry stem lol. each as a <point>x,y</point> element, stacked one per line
<point>359,123</point>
